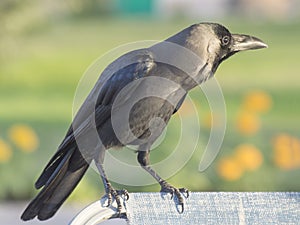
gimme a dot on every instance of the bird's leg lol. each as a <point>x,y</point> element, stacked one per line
<point>143,159</point>
<point>110,191</point>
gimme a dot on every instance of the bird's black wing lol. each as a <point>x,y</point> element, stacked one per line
<point>97,107</point>
<point>67,166</point>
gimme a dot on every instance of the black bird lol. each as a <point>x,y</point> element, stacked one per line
<point>131,103</point>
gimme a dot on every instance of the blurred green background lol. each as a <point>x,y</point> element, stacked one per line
<point>46,46</point>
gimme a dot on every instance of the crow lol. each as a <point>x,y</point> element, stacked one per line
<point>130,104</point>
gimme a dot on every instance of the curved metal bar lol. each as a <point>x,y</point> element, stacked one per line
<point>98,212</point>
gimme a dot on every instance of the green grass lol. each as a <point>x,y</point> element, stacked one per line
<point>39,76</point>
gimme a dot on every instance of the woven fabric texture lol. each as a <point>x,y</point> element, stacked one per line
<point>215,208</point>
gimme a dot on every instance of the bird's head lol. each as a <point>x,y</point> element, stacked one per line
<point>218,43</point>
<point>213,43</point>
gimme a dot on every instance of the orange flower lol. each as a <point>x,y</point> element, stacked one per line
<point>257,101</point>
<point>282,140</point>
<point>248,156</point>
<point>248,123</point>
<point>24,137</point>
<point>5,151</point>
<point>229,169</point>
<point>283,158</point>
<point>286,152</point>
<point>295,146</point>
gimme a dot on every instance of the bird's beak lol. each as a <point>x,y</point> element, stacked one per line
<point>243,42</point>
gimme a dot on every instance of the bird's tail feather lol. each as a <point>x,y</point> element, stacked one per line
<point>68,171</point>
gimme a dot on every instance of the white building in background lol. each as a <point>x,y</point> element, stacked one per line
<point>207,9</point>
<point>192,8</point>
<point>272,9</point>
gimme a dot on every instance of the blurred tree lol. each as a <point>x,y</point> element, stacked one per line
<point>19,17</point>
<point>7,7</point>
<point>90,8</point>
<point>15,18</point>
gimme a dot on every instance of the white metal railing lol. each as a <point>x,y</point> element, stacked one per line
<point>97,212</point>
<point>200,208</point>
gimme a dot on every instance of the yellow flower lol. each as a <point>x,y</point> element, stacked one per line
<point>248,156</point>
<point>229,169</point>
<point>257,101</point>
<point>24,137</point>
<point>5,151</point>
<point>248,123</point>
<point>283,158</point>
<point>286,152</point>
<point>282,140</point>
<point>295,145</point>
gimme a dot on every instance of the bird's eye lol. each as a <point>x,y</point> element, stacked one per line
<point>225,40</point>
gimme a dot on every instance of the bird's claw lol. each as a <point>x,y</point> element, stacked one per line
<point>178,192</point>
<point>115,194</point>
<point>185,191</point>
<point>124,193</point>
